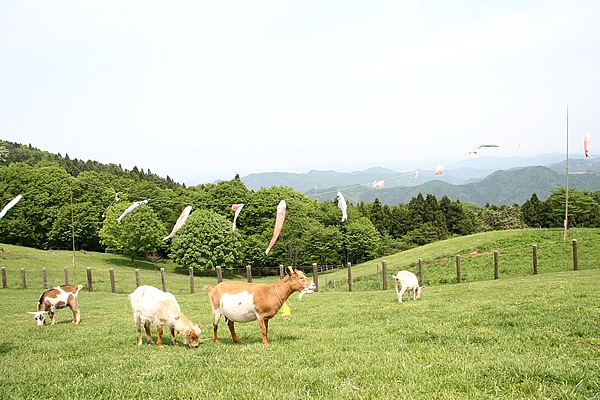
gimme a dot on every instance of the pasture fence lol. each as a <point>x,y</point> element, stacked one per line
<point>368,282</point>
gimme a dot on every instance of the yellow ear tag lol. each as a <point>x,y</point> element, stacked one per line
<point>285,310</point>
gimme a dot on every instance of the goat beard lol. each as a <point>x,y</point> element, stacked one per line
<point>303,292</point>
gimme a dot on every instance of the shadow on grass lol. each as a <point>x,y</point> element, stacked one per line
<point>137,264</point>
<point>7,348</point>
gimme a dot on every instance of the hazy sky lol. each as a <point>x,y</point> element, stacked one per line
<point>202,90</point>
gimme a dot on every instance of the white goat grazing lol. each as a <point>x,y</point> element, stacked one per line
<point>54,299</point>
<point>152,305</point>
<point>406,281</point>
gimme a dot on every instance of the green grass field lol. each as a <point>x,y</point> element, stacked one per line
<point>522,336</point>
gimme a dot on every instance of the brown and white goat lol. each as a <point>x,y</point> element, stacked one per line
<point>245,302</point>
<point>152,305</point>
<point>57,298</point>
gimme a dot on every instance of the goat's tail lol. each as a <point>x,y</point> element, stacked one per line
<point>79,287</point>
<point>208,288</point>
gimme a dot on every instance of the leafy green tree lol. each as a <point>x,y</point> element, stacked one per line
<point>361,240</point>
<point>583,208</point>
<point>206,241</point>
<point>501,218</point>
<point>323,245</point>
<point>79,221</point>
<point>140,232</point>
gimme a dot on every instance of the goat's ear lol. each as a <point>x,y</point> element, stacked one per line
<point>289,271</point>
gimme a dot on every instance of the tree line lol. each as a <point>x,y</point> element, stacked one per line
<point>69,203</point>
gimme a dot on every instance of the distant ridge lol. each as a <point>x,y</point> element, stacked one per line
<point>479,181</point>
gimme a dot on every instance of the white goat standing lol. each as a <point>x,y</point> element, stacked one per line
<point>406,281</point>
<point>152,305</point>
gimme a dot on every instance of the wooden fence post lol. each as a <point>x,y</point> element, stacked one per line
<point>458,275</point>
<point>23,280</point>
<point>349,276</point>
<point>575,258</point>
<point>89,278</point>
<point>219,274</point>
<point>495,264</point>
<point>384,273</point>
<point>535,259</point>
<point>249,273</point>
<point>281,271</point>
<point>66,271</point>
<point>316,276</point>
<point>44,278</point>
<point>137,278</point>
<point>191,271</point>
<point>113,286</point>
<point>163,280</point>
<point>420,272</point>
<point>4,280</point>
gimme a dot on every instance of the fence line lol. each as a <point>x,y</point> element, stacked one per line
<point>315,271</point>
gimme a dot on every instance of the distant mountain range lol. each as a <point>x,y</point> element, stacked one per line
<point>485,180</point>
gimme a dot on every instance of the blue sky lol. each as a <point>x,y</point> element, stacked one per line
<point>203,90</point>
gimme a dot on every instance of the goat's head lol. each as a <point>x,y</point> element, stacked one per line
<point>300,282</point>
<point>39,316</point>
<point>418,291</point>
<point>188,330</point>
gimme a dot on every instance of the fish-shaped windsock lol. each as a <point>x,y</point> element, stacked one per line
<point>10,205</point>
<point>237,208</point>
<point>342,205</point>
<point>281,210</point>
<point>586,145</point>
<point>415,178</point>
<point>439,169</point>
<point>131,208</point>
<point>180,221</point>
<point>117,198</point>
<point>378,184</point>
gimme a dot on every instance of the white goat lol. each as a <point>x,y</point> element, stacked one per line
<point>152,305</point>
<point>406,281</point>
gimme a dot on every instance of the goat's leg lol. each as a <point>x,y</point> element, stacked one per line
<point>148,335</point>
<point>263,324</point>
<point>75,309</point>
<point>401,293</point>
<point>159,329</point>
<point>216,318</point>
<point>173,336</point>
<point>231,326</point>
<point>138,326</point>
<point>51,314</point>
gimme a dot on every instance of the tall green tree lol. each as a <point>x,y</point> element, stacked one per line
<point>140,232</point>
<point>206,241</point>
<point>361,240</point>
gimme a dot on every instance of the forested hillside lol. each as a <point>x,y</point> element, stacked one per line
<point>68,203</point>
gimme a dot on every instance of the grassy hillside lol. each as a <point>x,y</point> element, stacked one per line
<point>515,249</point>
<point>522,336</point>
<point>473,340</point>
<point>515,257</point>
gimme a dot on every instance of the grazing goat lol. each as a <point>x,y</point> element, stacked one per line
<point>245,302</point>
<point>407,281</point>
<point>54,299</point>
<point>152,305</point>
